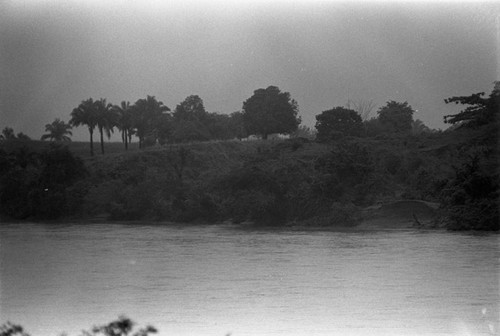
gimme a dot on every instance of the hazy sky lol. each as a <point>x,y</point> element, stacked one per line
<point>54,54</point>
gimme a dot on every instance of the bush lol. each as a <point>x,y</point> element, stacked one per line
<point>471,199</point>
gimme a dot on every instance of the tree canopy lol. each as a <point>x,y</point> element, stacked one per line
<point>338,122</point>
<point>146,113</point>
<point>85,114</point>
<point>58,130</point>
<point>480,111</point>
<point>396,117</point>
<point>190,120</point>
<point>270,111</point>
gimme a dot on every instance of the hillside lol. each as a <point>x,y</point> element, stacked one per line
<point>273,182</point>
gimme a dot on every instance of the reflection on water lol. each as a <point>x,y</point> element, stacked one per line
<point>213,280</point>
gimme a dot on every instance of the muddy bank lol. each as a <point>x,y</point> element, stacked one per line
<point>400,214</point>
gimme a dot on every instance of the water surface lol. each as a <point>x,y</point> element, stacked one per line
<point>214,280</point>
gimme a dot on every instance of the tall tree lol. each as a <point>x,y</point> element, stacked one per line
<point>338,122</point>
<point>125,125</point>
<point>86,114</point>
<point>146,113</point>
<point>396,117</point>
<point>191,120</point>
<point>58,131</point>
<point>480,111</point>
<point>107,119</point>
<point>270,111</point>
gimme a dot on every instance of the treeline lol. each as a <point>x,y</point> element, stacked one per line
<point>267,111</point>
<point>353,164</point>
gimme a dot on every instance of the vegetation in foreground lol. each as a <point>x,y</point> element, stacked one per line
<point>351,165</point>
<point>123,326</point>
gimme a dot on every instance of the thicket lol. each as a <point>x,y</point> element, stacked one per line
<point>40,185</point>
<point>267,182</point>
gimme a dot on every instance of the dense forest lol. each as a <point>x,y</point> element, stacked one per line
<point>190,165</point>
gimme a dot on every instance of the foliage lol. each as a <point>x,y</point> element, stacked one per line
<point>418,127</point>
<point>396,117</point>
<point>124,121</point>
<point>37,185</point>
<point>338,122</point>
<point>270,111</point>
<point>9,329</point>
<point>237,125</point>
<point>7,134</point>
<point>472,197</point>
<point>348,174</point>
<point>58,131</point>
<point>123,326</point>
<point>146,113</point>
<point>482,111</point>
<point>190,120</point>
<point>86,114</point>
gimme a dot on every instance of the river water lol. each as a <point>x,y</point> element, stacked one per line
<point>215,280</point>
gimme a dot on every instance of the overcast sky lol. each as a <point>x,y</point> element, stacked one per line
<point>54,54</point>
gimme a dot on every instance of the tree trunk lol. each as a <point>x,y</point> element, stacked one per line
<point>125,137</point>
<point>102,140</point>
<point>91,131</point>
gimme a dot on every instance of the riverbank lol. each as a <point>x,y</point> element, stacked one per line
<point>294,182</point>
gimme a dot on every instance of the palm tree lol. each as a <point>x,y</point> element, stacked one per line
<point>124,112</point>
<point>107,119</point>
<point>85,114</point>
<point>58,131</point>
<point>145,117</point>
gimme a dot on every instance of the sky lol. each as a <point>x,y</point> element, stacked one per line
<point>56,53</point>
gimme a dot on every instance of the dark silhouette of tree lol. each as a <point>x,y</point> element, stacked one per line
<point>191,120</point>
<point>481,110</point>
<point>146,113</point>
<point>10,329</point>
<point>7,134</point>
<point>396,117</point>
<point>270,111</point>
<point>86,114</point>
<point>338,122</point>
<point>121,327</point>
<point>107,119</point>
<point>22,136</point>
<point>125,125</point>
<point>58,131</point>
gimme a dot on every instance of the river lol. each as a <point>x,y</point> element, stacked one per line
<point>215,280</point>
